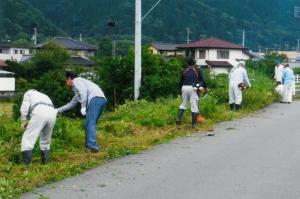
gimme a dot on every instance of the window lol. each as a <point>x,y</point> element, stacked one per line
<point>190,53</point>
<point>22,52</point>
<point>201,54</point>
<point>223,54</point>
<point>15,51</point>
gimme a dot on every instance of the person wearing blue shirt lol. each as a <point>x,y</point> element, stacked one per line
<point>288,80</point>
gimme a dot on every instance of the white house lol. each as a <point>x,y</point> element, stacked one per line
<point>13,52</point>
<point>7,83</point>
<point>216,54</point>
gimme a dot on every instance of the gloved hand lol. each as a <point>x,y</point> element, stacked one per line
<point>24,124</point>
<point>83,111</point>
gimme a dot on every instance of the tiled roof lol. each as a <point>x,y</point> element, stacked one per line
<point>218,64</point>
<point>69,43</point>
<point>165,46</point>
<point>82,61</point>
<point>3,64</point>
<point>212,43</point>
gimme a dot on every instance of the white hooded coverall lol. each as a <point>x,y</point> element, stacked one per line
<point>236,76</point>
<point>42,120</point>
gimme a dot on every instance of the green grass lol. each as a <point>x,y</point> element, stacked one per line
<point>130,129</point>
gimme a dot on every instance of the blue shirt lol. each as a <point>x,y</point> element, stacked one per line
<point>288,76</point>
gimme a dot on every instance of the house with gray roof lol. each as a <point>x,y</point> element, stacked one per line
<point>80,51</point>
<point>165,49</point>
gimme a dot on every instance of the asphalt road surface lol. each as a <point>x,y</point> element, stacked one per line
<point>257,157</point>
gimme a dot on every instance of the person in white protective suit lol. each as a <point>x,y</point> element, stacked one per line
<point>278,72</point>
<point>238,77</point>
<point>42,120</point>
<point>278,78</point>
<point>288,80</point>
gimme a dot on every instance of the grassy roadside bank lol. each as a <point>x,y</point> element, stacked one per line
<point>131,128</point>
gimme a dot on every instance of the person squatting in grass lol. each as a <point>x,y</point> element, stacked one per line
<point>92,100</point>
<point>41,123</point>
<point>190,76</point>
<point>237,79</point>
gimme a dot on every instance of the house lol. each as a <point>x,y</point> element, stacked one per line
<point>79,51</point>
<point>216,54</point>
<point>166,50</point>
<point>13,52</point>
<point>7,84</point>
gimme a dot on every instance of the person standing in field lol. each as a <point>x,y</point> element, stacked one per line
<point>288,80</point>
<point>238,80</point>
<point>191,82</point>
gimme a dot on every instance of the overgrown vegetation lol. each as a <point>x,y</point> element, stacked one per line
<point>128,127</point>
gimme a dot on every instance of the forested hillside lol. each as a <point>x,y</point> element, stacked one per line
<point>268,23</point>
<point>18,18</point>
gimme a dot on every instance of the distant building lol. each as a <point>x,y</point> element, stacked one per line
<point>291,55</point>
<point>216,54</point>
<point>79,51</point>
<point>13,52</point>
<point>7,84</point>
<point>166,50</point>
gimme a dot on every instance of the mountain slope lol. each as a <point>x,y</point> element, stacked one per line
<point>267,23</point>
<point>18,18</point>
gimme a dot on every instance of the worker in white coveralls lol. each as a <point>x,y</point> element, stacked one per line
<point>238,80</point>
<point>42,120</point>
<point>278,78</point>
<point>93,102</point>
<point>288,80</point>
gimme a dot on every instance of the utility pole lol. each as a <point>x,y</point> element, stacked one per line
<point>35,36</point>
<point>298,45</point>
<point>244,34</point>
<point>80,37</point>
<point>138,49</point>
<point>138,46</point>
<point>188,35</point>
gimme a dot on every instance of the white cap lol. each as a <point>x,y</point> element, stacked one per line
<point>241,63</point>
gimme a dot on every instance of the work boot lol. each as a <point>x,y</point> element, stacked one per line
<point>237,107</point>
<point>231,106</point>
<point>179,116</point>
<point>44,156</point>
<point>194,120</point>
<point>27,157</point>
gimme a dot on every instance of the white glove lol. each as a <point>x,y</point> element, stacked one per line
<point>24,124</point>
<point>83,111</point>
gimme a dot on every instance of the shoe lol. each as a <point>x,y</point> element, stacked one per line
<point>89,150</point>
<point>45,156</point>
<point>179,116</point>
<point>27,157</point>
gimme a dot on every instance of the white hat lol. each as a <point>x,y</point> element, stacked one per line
<point>241,63</point>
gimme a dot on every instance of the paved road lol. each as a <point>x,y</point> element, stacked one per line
<point>253,158</point>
